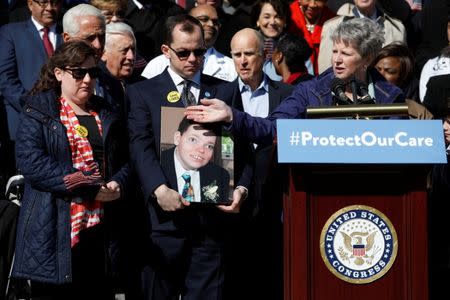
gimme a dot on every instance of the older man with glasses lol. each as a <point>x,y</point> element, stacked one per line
<point>24,48</point>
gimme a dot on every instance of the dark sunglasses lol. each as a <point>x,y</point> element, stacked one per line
<point>80,73</point>
<point>184,54</point>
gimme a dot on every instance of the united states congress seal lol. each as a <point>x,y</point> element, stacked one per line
<point>358,244</point>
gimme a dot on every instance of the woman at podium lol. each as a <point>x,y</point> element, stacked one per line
<point>350,80</point>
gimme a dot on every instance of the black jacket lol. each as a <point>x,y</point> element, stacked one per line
<point>43,251</point>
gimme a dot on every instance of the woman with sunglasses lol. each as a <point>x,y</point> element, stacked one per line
<point>70,152</point>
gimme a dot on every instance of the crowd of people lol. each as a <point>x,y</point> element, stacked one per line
<point>105,212</point>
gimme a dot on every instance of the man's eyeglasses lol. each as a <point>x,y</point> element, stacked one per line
<point>80,73</point>
<point>43,3</point>
<point>184,54</point>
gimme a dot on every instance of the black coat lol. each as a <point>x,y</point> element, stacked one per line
<point>43,251</point>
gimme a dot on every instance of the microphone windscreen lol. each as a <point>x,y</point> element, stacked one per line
<point>337,85</point>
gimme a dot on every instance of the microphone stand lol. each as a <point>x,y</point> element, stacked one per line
<point>354,87</point>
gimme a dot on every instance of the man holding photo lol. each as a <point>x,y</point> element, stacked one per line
<point>187,241</point>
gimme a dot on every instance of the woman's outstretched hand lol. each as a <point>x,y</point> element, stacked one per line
<point>211,110</point>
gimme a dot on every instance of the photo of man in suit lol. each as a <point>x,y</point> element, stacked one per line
<point>189,164</point>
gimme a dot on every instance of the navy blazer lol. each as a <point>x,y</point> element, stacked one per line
<point>22,55</point>
<point>144,122</point>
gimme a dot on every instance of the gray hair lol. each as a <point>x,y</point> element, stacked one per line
<point>118,28</point>
<point>71,25</point>
<point>363,34</point>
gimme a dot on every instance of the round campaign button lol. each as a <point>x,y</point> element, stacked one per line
<point>82,131</point>
<point>173,96</point>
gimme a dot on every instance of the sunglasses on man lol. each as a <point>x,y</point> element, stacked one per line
<point>184,54</point>
<point>80,73</point>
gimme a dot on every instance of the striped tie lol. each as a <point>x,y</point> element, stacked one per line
<point>186,95</point>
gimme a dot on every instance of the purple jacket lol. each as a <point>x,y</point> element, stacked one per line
<point>315,92</point>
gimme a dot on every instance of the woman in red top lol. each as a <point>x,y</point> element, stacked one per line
<point>307,19</point>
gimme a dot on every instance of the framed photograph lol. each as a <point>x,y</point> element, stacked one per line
<point>197,159</point>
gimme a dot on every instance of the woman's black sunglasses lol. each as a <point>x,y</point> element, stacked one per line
<point>80,73</point>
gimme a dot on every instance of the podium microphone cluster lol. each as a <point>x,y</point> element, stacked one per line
<point>338,88</point>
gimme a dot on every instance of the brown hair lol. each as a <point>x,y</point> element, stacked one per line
<point>281,8</point>
<point>187,22</point>
<point>69,54</point>
<point>406,61</point>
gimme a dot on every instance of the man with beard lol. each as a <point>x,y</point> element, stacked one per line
<point>215,64</point>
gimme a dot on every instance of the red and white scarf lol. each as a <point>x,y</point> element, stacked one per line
<point>83,214</point>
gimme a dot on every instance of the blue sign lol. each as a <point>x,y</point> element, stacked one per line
<point>361,141</point>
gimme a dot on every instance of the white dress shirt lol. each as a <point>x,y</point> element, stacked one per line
<point>178,80</point>
<point>255,103</point>
<point>51,31</point>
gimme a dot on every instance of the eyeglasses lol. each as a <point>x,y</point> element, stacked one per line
<point>206,19</point>
<point>43,3</point>
<point>184,54</point>
<point>80,73</point>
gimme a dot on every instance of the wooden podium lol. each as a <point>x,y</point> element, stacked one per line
<point>315,193</point>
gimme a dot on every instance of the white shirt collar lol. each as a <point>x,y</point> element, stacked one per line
<point>177,79</point>
<point>39,26</point>
<point>264,84</point>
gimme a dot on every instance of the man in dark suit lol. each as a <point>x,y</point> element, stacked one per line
<point>187,240</point>
<point>258,244</point>
<point>22,54</point>
<point>188,165</point>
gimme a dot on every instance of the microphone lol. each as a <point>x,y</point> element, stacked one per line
<point>338,88</point>
<point>364,92</point>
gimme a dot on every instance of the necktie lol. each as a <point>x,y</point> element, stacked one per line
<point>47,44</point>
<point>186,94</point>
<point>188,190</point>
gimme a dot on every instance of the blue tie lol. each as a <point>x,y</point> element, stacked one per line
<point>188,190</point>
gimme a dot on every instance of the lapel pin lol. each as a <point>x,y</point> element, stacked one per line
<point>173,96</point>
